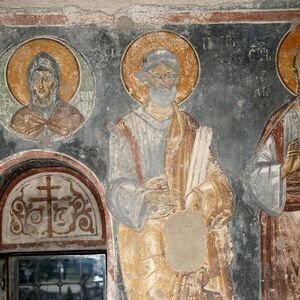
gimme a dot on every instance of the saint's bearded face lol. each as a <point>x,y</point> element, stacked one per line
<point>42,85</point>
<point>297,71</point>
<point>162,82</point>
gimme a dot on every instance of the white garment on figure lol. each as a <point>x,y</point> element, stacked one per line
<point>267,187</point>
<point>126,193</point>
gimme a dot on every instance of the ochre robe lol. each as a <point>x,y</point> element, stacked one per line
<point>64,120</point>
<point>145,272</point>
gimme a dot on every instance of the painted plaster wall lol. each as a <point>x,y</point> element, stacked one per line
<point>215,103</point>
<point>234,94</point>
<point>111,7</point>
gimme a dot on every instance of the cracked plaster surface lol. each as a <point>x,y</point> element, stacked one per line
<point>111,7</point>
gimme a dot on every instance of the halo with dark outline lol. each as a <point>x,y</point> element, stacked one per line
<point>288,47</point>
<point>19,61</point>
<point>132,60</point>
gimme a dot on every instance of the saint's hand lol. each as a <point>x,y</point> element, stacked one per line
<point>164,200</point>
<point>193,199</point>
<point>292,160</point>
<point>159,183</point>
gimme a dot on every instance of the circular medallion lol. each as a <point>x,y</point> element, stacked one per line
<point>47,90</point>
<point>134,55</point>
<point>19,62</point>
<point>286,52</point>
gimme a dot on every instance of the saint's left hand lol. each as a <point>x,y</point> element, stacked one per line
<point>193,200</point>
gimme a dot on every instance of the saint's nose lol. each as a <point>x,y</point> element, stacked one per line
<point>41,83</point>
<point>163,82</point>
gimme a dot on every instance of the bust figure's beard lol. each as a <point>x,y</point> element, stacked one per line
<point>47,110</point>
<point>162,96</point>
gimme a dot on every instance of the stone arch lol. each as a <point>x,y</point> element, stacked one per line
<point>34,170</point>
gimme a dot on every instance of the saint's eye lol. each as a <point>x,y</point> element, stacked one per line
<point>170,75</point>
<point>47,78</point>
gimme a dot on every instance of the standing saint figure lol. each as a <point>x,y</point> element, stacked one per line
<point>46,117</point>
<point>274,186</point>
<point>150,155</point>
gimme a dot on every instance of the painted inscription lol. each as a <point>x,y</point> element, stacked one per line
<point>263,89</point>
<point>259,52</point>
<point>221,42</point>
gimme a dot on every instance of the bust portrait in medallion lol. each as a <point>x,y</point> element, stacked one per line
<point>49,90</point>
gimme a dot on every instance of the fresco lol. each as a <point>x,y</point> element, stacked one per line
<point>171,114</point>
<point>49,205</point>
<point>161,165</point>
<point>49,92</point>
<point>274,182</point>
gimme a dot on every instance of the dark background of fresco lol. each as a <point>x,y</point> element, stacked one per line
<point>226,99</point>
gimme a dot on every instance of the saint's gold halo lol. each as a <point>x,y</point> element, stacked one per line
<point>187,58</point>
<point>287,49</point>
<point>18,63</point>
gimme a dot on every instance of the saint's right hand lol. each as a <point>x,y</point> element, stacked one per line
<point>158,183</point>
<point>292,160</point>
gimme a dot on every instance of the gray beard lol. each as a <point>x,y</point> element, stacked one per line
<point>162,96</point>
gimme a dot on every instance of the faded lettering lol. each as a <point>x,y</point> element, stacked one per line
<point>259,52</point>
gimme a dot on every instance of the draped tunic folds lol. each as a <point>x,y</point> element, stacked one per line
<point>144,148</point>
<point>279,198</point>
<point>64,120</point>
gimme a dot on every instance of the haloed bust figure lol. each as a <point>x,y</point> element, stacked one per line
<point>46,117</point>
